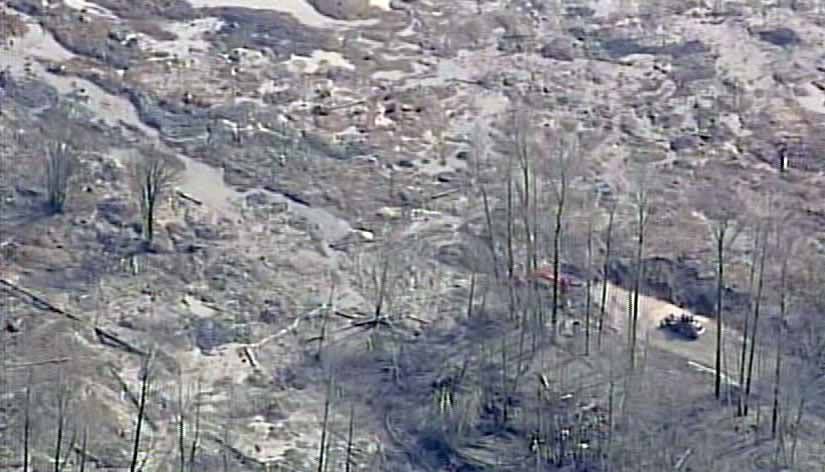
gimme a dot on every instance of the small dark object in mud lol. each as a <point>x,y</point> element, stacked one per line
<point>14,326</point>
<point>684,143</point>
<point>320,110</point>
<point>558,49</point>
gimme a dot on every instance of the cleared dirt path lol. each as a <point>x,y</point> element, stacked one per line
<point>700,353</point>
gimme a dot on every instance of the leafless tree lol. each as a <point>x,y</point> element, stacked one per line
<point>83,453</point>
<point>153,176</point>
<point>808,336</point>
<point>524,151</point>
<point>563,165</point>
<point>722,207</point>
<point>767,228</point>
<point>27,423</point>
<point>61,164</point>
<point>184,402</point>
<point>753,263</point>
<point>62,397</point>
<point>786,245</point>
<point>350,432</point>
<point>193,450</point>
<point>323,448</point>
<point>640,197</point>
<point>327,311</point>
<point>145,382</point>
<point>591,209</point>
<point>608,240</point>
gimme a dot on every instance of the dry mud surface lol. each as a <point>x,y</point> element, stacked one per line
<point>319,141</point>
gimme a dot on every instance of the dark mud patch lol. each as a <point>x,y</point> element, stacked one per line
<point>179,10</point>
<point>621,47</point>
<point>279,34</point>
<point>782,37</point>
<point>91,39</point>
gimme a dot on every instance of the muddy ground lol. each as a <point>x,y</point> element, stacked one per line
<point>318,143</point>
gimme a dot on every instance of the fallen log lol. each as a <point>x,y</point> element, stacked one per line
<point>188,197</point>
<point>113,340</point>
<point>37,301</point>
<point>40,303</point>
<point>240,455</point>
<point>250,357</point>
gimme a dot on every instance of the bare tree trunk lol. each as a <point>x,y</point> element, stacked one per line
<point>329,309</point>
<point>322,459</point>
<point>588,285</point>
<point>227,429</point>
<point>144,390</point>
<point>757,306</point>
<point>797,423</point>
<point>62,401</point>
<point>637,285</point>
<point>471,296</point>
<point>740,409</point>
<point>350,430</point>
<point>786,252</point>
<point>641,200</point>
<point>510,256</point>
<point>382,290</point>
<point>152,177</point>
<point>720,261</point>
<point>60,167</point>
<point>556,263</point>
<point>27,424</point>
<point>181,425</point>
<point>608,243</point>
<point>491,240</point>
<point>193,451</point>
<point>84,448</point>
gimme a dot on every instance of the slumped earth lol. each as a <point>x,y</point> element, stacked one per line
<point>334,239</point>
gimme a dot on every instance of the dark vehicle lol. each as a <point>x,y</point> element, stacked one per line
<point>683,325</point>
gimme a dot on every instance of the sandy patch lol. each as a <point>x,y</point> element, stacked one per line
<point>311,64</point>
<point>382,4</point>
<point>814,100</point>
<point>90,8</point>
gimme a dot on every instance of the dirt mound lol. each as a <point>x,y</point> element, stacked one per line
<point>342,9</point>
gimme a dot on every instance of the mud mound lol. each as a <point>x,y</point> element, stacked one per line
<point>342,9</point>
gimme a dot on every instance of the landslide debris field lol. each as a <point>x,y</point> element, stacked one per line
<point>358,184</point>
